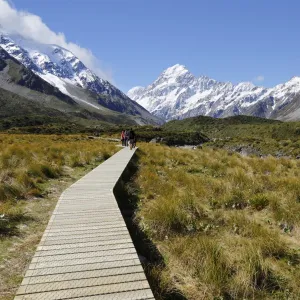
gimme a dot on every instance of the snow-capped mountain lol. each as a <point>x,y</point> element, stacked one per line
<point>62,69</point>
<point>178,94</point>
<point>53,63</point>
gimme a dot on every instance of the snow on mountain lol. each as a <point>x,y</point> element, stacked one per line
<point>177,94</point>
<point>51,59</point>
<point>62,69</point>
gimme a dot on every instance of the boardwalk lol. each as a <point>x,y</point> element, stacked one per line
<point>86,251</point>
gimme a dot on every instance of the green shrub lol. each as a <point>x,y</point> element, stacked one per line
<point>259,201</point>
<point>48,171</point>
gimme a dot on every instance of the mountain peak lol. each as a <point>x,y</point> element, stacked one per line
<point>176,93</point>
<point>245,86</point>
<point>295,79</point>
<point>175,71</point>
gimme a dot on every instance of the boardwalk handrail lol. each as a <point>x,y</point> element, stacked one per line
<point>86,251</point>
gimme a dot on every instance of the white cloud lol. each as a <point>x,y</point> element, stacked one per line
<point>259,78</point>
<point>32,26</point>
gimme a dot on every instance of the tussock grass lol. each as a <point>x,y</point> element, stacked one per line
<point>226,225</point>
<point>34,170</point>
<point>27,162</point>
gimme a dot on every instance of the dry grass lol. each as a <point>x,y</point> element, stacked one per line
<point>227,226</point>
<point>34,170</point>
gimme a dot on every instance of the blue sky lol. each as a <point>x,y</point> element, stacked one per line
<point>228,40</point>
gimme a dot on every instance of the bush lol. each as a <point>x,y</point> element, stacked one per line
<point>48,171</point>
<point>259,201</point>
<point>11,215</point>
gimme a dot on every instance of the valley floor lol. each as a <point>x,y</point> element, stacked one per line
<point>226,226</point>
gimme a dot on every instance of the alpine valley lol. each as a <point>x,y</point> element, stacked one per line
<point>49,81</point>
<point>178,94</point>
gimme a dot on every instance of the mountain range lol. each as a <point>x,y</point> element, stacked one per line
<point>53,78</point>
<point>178,94</point>
<point>50,80</point>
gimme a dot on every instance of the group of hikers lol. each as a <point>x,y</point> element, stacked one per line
<point>128,138</point>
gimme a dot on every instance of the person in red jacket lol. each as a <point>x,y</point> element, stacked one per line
<point>123,137</point>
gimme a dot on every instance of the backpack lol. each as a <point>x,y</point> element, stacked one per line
<point>131,135</point>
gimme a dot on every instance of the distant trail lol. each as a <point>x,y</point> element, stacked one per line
<point>86,251</point>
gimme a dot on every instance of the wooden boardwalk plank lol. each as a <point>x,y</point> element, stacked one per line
<point>86,251</point>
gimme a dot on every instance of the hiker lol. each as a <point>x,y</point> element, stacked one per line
<point>131,139</point>
<point>126,137</point>
<point>134,142</point>
<point>123,137</point>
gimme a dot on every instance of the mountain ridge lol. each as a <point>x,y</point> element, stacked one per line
<point>28,100</point>
<point>63,70</point>
<point>178,94</point>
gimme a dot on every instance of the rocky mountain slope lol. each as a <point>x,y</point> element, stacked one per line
<point>25,98</point>
<point>178,94</point>
<point>71,78</point>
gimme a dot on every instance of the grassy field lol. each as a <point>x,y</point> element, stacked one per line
<point>34,170</point>
<point>254,135</point>
<point>243,134</point>
<point>227,226</point>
